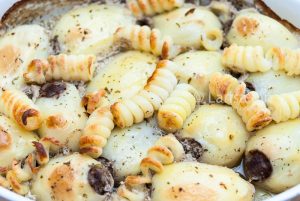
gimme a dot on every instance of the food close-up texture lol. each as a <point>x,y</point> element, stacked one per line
<point>148,100</point>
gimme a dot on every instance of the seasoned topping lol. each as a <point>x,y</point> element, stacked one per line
<point>257,166</point>
<point>100,180</point>
<point>52,89</point>
<point>192,147</point>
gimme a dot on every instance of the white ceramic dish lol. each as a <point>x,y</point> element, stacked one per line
<point>288,10</point>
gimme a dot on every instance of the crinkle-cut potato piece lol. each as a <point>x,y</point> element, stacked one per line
<point>17,48</point>
<point>64,116</point>
<point>191,27</point>
<point>72,178</point>
<point>277,149</point>
<point>220,131</point>
<point>15,142</point>
<point>199,182</point>
<point>128,146</point>
<point>251,28</point>
<point>123,77</point>
<point>89,29</point>
<point>272,83</point>
<point>196,67</point>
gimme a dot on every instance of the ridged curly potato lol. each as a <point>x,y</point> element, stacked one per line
<point>181,103</point>
<point>245,59</point>
<point>141,106</point>
<point>16,105</point>
<point>285,59</point>
<point>165,151</point>
<point>61,67</point>
<point>149,40</point>
<point>151,7</point>
<point>96,132</point>
<point>252,110</point>
<point>284,106</point>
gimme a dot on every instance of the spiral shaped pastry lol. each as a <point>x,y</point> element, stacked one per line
<point>245,59</point>
<point>181,103</point>
<point>16,105</point>
<point>23,172</point>
<point>285,59</point>
<point>149,40</point>
<point>96,132</point>
<point>60,67</point>
<point>165,151</point>
<point>151,7</point>
<point>284,106</point>
<point>252,110</point>
<point>141,106</point>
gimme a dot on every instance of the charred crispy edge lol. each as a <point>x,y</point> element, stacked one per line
<point>21,6</point>
<point>269,12</point>
<point>40,149</point>
<point>28,113</point>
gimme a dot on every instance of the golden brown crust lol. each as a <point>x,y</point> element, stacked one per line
<point>9,59</point>
<point>246,26</point>
<point>92,100</point>
<point>60,182</point>
<point>191,192</point>
<point>57,121</point>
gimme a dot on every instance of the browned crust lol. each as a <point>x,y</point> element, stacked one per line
<point>61,183</point>
<point>9,13</point>
<point>269,12</point>
<point>41,151</point>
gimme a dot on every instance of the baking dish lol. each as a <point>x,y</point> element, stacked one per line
<point>16,11</point>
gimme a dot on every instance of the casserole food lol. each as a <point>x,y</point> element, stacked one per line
<point>112,82</point>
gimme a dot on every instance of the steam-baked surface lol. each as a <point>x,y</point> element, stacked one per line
<point>89,67</point>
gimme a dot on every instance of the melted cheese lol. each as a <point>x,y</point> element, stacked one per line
<point>196,67</point>
<point>199,182</point>
<point>128,146</point>
<point>186,25</point>
<point>64,117</point>
<point>250,28</point>
<point>90,29</point>
<point>15,142</point>
<point>280,143</point>
<point>17,48</point>
<point>220,131</point>
<point>124,76</point>
<point>273,82</point>
<point>65,178</point>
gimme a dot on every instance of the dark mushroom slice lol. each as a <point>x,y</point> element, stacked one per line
<point>257,166</point>
<point>52,89</point>
<point>193,147</point>
<point>100,180</point>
